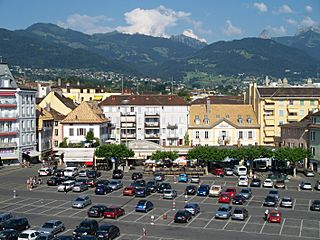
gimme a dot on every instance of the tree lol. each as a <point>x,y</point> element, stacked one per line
<point>186,139</point>
<point>90,136</point>
<point>118,152</point>
<point>64,143</point>
<point>293,155</point>
<point>161,155</point>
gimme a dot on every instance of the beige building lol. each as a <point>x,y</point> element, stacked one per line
<point>281,104</point>
<point>222,125</point>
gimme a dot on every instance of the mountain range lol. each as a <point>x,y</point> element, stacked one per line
<point>45,45</point>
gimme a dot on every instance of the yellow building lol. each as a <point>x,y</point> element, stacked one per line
<point>81,93</point>
<point>281,104</point>
<point>222,125</point>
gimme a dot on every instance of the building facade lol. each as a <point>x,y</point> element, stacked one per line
<point>157,118</point>
<point>17,120</point>
<point>314,138</point>
<point>281,104</point>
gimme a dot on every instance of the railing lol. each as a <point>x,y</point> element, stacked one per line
<point>14,115</point>
<point>124,136</point>
<point>128,119</point>
<point>128,125</point>
<point>172,126</point>
<point>222,140</point>
<point>152,124</point>
<point>172,136</point>
<point>3,130</point>
<point>8,145</point>
<point>156,135</point>
<point>152,114</point>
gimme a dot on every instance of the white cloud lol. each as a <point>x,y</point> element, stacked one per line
<point>308,22</point>
<point>152,22</point>
<point>291,21</point>
<point>191,34</point>
<point>261,6</point>
<point>277,31</point>
<point>285,9</point>
<point>231,30</point>
<point>87,24</point>
<point>308,9</point>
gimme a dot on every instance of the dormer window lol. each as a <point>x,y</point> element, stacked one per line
<point>206,119</point>
<point>197,119</point>
<point>314,120</point>
<point>227,116</point>
<point>249,120</point>
<point>240,120</point>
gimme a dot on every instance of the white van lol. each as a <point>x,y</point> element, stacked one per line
<point>67,185</point>
<point>240,170</point>
<point>71,171</point>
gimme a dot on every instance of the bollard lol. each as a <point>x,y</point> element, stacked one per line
<point>144,234</point>
<point>186,198</point>
<point>175,179</point>
<point>14,193</point>
<point>173,205</point>
<point>152,219</point>
<point>165,216</point>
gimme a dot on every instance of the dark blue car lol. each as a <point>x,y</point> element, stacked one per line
<point>102,189</point>
<point>142,192</point>
<point>203,190</point>
<point>144,206</point>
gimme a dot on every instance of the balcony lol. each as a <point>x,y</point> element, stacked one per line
<point>8,145</point>
<point>151,124</point>
<point>9,154</point>
<point>9,131</point>
<point>152,136</point>
<point>268,140</point>
<point>269,120</point>
<point>269,107</point>
<point>293,118</point>
<point>8,117</point>
<point>224,140</point>
<point>128,118</point>
<point>128,125</point>
<point>292,108</point>
<point>128,135</point>
<point>10,103</point>
<point>152,115</point>
<point>269,132</point>
<point>172,137</point>
<point>172,126</point>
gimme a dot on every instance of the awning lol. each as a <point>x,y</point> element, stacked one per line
<point>72,97</point>
<point>33,153</point>
<point>98,98</point>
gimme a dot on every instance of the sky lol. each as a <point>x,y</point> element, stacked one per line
<point>205,20</point>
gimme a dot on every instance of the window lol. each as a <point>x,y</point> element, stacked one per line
<point>281,102</point>
<point>81,131</point>
<point>56,143</point>
<point>22,110</point>
<point>131,109</point>
<point>312,102</point>
<point>240,135</point>
<point>312,135</point>
<point>71,133</point>
<point>22,124</point>
<point>301,112</point>
<point>56,123</point>
<point>206,134</point>
<point>197,134</point>
<point>206,119</point>
<point>301,102</point>
<point>250,134</point>
<point>88,90</point>
<point>314,120</point>
<point>280,122</point>
<point>291,102</point>
<point>281,113</point>
<point>197,119</point>
<point>313,151</point>
<point>56,132</point>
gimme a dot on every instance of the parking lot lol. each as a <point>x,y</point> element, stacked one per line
<point>44,203</point>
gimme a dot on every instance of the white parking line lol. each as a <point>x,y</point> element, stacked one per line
<point>142,216</point>
<point>294,204</point>
<point>61,212</point>
<point>53,207</point>
<point>82,210</point>
<point>26,205</point>
<point>263,226</point>
<point>209,222</point>
<point>309,205</point>
<point>284,220</point>
<point>301,227</point>
<point>245,224</point>
<point>193,218</point>
<point>204,199</point>
<point>162,215</point>
<point>226,223</point>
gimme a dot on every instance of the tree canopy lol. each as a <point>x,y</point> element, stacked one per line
<point>293,155</point>
<point>161,155</point>
<point>116,151</point>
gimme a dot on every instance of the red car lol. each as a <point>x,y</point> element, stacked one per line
<point>91,182</point>
<point>274,217</point>
<point>217,171</point>
<point>231,191</point>
<point>129,191</point>
<point>113,212</point>
<point>225,197</point>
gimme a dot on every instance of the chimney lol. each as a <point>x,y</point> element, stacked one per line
<point>208,104</point>
<point>48,107</point>
<point>59,82</point>
<point>78,83</point>
<point>309,82</point>
<point>279,82</point>
<point>267,81</point>
<point>285,82</point>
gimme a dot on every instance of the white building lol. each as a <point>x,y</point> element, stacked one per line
<point>17,120</point>
<point>84,118</point>
<point>162,119</point>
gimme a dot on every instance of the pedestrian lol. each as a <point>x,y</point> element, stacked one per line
<point>28,183</point>
<point>266,213</point>
<point>65,189</point>
<point>39,180</point>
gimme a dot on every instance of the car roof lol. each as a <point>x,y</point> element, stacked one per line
<point>29,231</point>
<point>52,221</point>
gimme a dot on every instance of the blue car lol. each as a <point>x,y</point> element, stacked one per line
<point>144,206</point>
<point>203,190</point>
<point>142,192</point>
<point>183,178</point>
<point>102,189</point>
<point>193,208</point>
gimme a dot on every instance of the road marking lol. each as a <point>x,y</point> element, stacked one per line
<point>294,203</point>
<point>301,227</point>
<point>61,212</point>
<point>142,216</point>
<point>204,199</point>
<point>193,218</point>
<point>309,205</point>
<point>26,205</point>
<point>53,208</point>
<point>226,223</point>
<point>245,223</point>
<point>284,220</point>
<point>263,226</point>
<point>209,222</point>
<point>82,210</point>
<point>162,215</point>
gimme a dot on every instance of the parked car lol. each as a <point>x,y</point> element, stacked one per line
<point>256,182</point>
<point>65,237</point>
<point>139,183</point>
<point>129,191</point>
<point>144,206</point>
<point>117,174</point>
<point>280,184</point>
<point>315,205</point>
<point>45,236</point>
<point>203,190</point>
<point>152,185</point>
<point>193,208</point>
<point>286,202</point>
<point>275,193</point>
<point>52,226</point>
<point>102,182</point>
<point>96,210</point>
<point>163,186</point>
<point>86,227</point>
<point>231,191</point>
<point>239,214</point>
<point>102,189</point>
<point>79,187</point>
<point>183,178</point>
<point>228,172</point>
<point>66,186</point>
<point>81,202</point>
<point>71,172</point>
<point>9,235</point>
<point>217,171</point>
<point>305,186</point>
<point>83,173</point>
<point>268,183</point>
<point>223,212</point>
<point>274,217</point>
<point>225,198</point>
<point>28,235</point>
<point>158,176</point>
<point>246,193</point>
<point>243,181</point>
<point>317,185</point>
<point>91,182</point>
<point>195,179</point>
<point>93,174</point>
<point>238,199</point>
<point>136,175</point>
<point>59,173</point>
<point>191,190</point>
<point>308,173</point>
<point>215,191</point>
<point>182,216</point>
<point>18,224</point>
<point>113,212</point>
<point>4,218</point>
<point>270,201</point>
<point>169,194</point>
<point>115,184</point>
<point>54,181</point>
<point>45,171</point>
<point>142,192</point>
<point>108,231</point>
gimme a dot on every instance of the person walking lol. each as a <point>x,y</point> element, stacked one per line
<point>28,183</point>
<point>266,214</point>
<point>65,189</point>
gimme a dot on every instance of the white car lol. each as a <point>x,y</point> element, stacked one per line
<point>67,185</point>
<point>29,235</point>
<point>71,172</point>
<point>243,181</point>
<point>195,179</point>
<point>309,173</point>
<point>228,172</point>
<point>44,171</point>
<point>305,186</point>
<point>268,183</point>
<point>215,191</point>
<point>83,173</point>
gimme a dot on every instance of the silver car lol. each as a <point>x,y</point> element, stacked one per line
<point>81,202</point>
<point>52,226</point>
<point>286,202</point>
<point>223,212</point>
<point>79,187</point>
<point>115,184</point>
<point>239,214</point>
<point>195,179</point>
<point>169,194</point>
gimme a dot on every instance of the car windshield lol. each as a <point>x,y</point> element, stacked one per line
<point>110,209</point>
<point>48,225</point>
<point>24,235</point>
<point>230,190</point>
<point>79,199</point>
<point>114,182</point>
<point>316,202</point>
<point>3,235</point>
<point>286,200</point>
<point>270,198</point>
<point>275,214</point>
<point>104,228</point>
<point>190,206</point>
<point>181,213</point>
<point>245,191</point>
<point>238,211</point>
<point>139,189</point>
<point>273,192</point>
<point>223,209</point>
<point>43,238</point>
<point>167,192</point>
